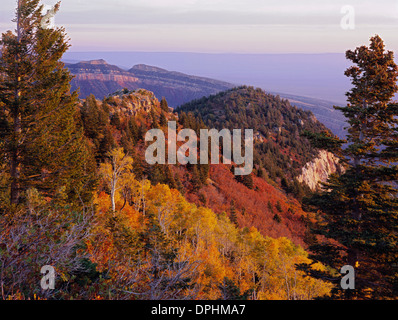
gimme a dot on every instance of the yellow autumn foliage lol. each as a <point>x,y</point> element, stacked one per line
<point>207,247</point>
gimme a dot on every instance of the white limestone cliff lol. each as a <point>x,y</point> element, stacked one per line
<point>319,169</point>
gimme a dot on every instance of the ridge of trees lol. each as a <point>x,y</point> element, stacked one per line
<point>281,150</point>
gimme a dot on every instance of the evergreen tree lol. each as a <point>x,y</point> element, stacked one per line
<point>277,218</point>
<point>361,205</point>
<point>163,120</point>
<point>106,144</point>
<point>134,130</point>
<point>233,216</point>
<point>95,121</point>
<point>285,185</point>
<point>115,121</point>
<point>179,185</point>
<point>270,206</point>
<point>195,179</point>
<point>156,174</point>
<point>142,130</point>
<point>155,123</point>
<point>230,291</point>
<point>169,178</point>
<point>42,146</point>
<point>246,180</point>
<point>164,105</point>
<point>260,172</point>
<point>278,206</point>
<point>204,171</point>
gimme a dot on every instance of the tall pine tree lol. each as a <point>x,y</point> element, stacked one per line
<point>43,147</point>
<point>361,206</point>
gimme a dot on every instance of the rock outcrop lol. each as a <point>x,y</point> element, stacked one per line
<point>319,169</point>
<point>132,102</point>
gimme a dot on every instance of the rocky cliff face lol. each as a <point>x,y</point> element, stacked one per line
<point>319,169</point>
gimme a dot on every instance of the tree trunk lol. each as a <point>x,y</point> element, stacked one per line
<point>15,165</point>
<point>113,192</point>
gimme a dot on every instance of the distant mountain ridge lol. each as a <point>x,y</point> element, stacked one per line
<point>319,76</point>
<point>101,79</point>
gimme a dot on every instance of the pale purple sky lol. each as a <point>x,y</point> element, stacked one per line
<point>220,26</point>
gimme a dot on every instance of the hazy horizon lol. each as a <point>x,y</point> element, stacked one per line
<point>318,76</point>
<point>220,26</point>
